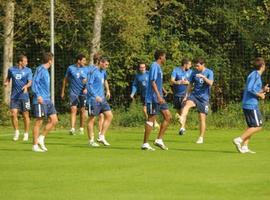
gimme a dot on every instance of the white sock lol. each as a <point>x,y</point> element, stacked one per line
<point>72,129</point>
<point>35,146</point>
<point>91,140</point>
<point>42,137</point>
<point>101,136</point>
<point>81,129</point>
<point>17,132</point>
<point>159,140</point>
<point>239,139</point>
<point>25,133</point>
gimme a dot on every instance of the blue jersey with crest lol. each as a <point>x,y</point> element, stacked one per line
<point>180,74</point>
<point>20,77</point>
<point>140,83</point>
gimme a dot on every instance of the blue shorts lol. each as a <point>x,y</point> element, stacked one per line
<point>43,110</point>
<point>253,117</point>
<point>178,102</point>
<point>142,98</point>
<point>202,106</point>
<point>23,105</point>
<point>95,108</point>
<point>79,101</point>
<point>154,108</point>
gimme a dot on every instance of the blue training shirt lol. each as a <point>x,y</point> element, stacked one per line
<point>253,86</point>
<point>95,84</point>
<point>201,89</point>
<point>41,84</point>
<point>155,74</point>
<point>180,74</point>
<point>140,83</point>
<point>20,77</point>
<point>75,76</point>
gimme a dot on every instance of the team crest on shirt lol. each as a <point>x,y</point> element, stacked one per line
<point>18,76</point>
<point>206,109</point>
<point>144,83</point>
<point>201,80</point>
<point>78,75</point>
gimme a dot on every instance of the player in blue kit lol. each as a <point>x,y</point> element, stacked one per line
<point>252,93</point>
<point>42,104</point>
<point>139,86</point>
<point>21,77</point>
<point>155,103</point>
<point>180,79</point>
<point>97,102</point>
<point>77,92</point>
<point>201,79</point>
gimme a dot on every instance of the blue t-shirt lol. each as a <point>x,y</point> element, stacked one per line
<point>20,77</point>
<point>41,85</point>
<point>75,76</point>
<point>180,74</point>
<point>95,85</point>
<point>140,83</point>
<point>253,86</point>
<point>201,89</point>
<point>155,74</point>
<point>90,69</point>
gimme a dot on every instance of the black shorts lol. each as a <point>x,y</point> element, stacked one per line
<point>202,107</point>
<point>253,117</point>
<point>154,108</point>
<point>178,102</point>
<point>43,110</point>
<point>95,108</point>
<point>79,101</point>
<point>23,105</point>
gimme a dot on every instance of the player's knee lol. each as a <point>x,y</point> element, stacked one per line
<point>149,123</point>
<point>168,117</point>
<point>13,114</point>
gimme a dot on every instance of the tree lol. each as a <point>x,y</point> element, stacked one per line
<point>8,44</point>
<point>95,44</point>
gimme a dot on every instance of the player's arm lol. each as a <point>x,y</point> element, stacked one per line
<point>179,82</point>
<point>107,88</point>
<point>64,83</point>
<point>253,87</point>
<point>155,88</point>
<point>7,80</point>
<point>35,86</point>
<point>208,81</point>
<point>90,88</point>
<point>134,88</point>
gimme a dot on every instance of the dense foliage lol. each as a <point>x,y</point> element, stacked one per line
<point>228,34</point>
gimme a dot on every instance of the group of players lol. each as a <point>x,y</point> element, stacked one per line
<point>89,90</point>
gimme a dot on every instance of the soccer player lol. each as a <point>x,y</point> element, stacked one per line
<point>77,93</point>
<point>21,77</point>
<point>252,93</point>
<point>202,79</point>
<point>155,103</point>
<point>42,105</point>
<point>97,102</point>
<point>180,80</point>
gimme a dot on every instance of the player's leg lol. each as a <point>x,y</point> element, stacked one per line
<point>189,104</point>
<point>26,120</point>
<point>108,116</point>
<point>82,113</point>
<point>100,122</point>
<point>37,125</point>
<point>202,120</point>
<point>15,123</point>
<point>73,113</point>
<point>90,131</point>
<point>152,112</point>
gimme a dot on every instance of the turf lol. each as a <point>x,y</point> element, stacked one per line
<point>73,170</point>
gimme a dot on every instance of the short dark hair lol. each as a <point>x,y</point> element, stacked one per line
<point>199,60</point>
<point>96,58</point>
<point>20,58</point>
<point>258,63</point>
<point>103,60</point>
<point>141,63</point>
<point>185,61</point>
<point>47,57</point>
<point>80,57</point>
<point>159,53</point>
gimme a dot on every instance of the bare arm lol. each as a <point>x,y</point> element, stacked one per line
<point>108,93</point>
<point>209,82</point>
<point>160,99</point>
<point>65,80</point>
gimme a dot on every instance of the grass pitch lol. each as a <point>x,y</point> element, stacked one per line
<point>73,170</point>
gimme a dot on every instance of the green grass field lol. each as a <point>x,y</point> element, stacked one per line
<point>73,170</point>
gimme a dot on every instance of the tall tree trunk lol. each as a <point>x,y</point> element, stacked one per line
<point>8,44</point>
<point>95,43</point>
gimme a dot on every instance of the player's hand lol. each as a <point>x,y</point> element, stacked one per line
<point>161,100</point>
<point>261,95</point>
<point>165,93</point>
<point>6,84</point>
<point>266,88</point>
<point>25,89</point>
<point>62,95</point>
<point>40,100</point>
<point>98,99</point>
<point>132,97</point>
<point>200,76</point>
<point>108,95</point>
<point>85,91</point>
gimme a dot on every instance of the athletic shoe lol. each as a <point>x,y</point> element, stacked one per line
<point>237,144</point>
<point>81,131</point>
<point>160,144</point>
<point>200,140</point>
<point>36,148</point>
<point>156,125</point>
<point>41,144</point>
<point>72,131</point>
<point>16,136</point>
<point>245,149</point>
<point>147,147</point>
<point>103,141</point>
<point>182,131</point>
<point>93,144</point>
<point>25,137</point>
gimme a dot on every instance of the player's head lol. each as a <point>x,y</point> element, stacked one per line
<point>96,58</point>
<point>186,63</point>
<point>81,60</point>
<point>142,67</point>
<point>199,64</point>
<point>104,63</point>
<point>22,60</point>
<point>47,58</point>
<point>259,63</point>
<point>160,56</point>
